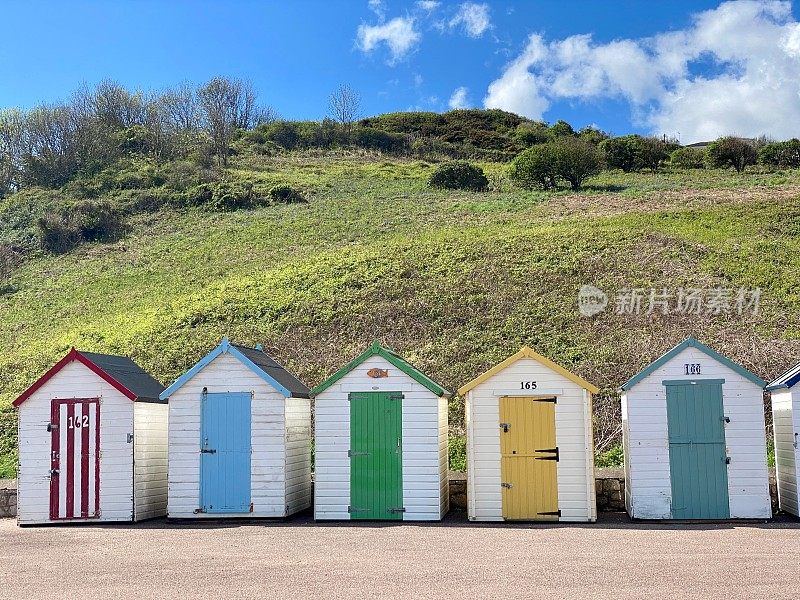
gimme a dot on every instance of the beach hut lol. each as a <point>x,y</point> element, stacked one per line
<point>786,425</point>
<point>92,443</point>
<point>530,454</point>
<point>239,437</point>
<point>381,442</point>
<point>694,438</point>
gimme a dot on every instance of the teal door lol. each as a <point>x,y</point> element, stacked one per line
<point>376,456</point>
<point>697,456</point>
<point>225,453</point>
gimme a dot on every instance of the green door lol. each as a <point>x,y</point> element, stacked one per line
<point>697,456</point>
<point>376,456</point>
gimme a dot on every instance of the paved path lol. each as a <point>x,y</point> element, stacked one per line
<point>613,559</point>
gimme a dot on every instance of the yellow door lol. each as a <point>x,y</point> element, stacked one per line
<point>528,458</point>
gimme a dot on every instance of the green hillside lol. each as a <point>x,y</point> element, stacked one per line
<point>455,281</point>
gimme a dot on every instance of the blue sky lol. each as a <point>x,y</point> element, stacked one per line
<point>664,67</point>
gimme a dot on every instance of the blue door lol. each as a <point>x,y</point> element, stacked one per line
<point>697,455</point>
<point>225,453</point>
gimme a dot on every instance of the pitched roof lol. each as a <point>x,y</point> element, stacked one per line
<point>270,366</point>
<point>526,352</point>
<point>691,342</point>
<point>787,380</point>
<point>375,349</point>
<point>119,371</point>
<point>257,361</point>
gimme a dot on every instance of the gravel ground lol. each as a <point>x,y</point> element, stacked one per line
<point>612,559</point>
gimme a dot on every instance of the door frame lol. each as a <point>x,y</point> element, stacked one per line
<point>351,509</point>
<point>539,396</point>
<point>696,383</point>
<point>55,458</point>
<point>204,491</point>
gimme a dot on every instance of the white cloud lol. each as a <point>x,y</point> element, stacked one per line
<point>459,98</point>
<point>752,86</point>
<point>378,8</point>
<point>428,5</point>
<point>474,18</point>
<point>399,35</point>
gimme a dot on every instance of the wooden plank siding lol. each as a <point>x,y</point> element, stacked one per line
<point>573,437</point>
<point>268,441</point>
<point>424,444</point>
<point>646,439</point>
<point>149,460</point>
<point>75,380</point>
<point>785,425</point>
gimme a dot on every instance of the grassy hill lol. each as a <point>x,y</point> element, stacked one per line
<point>455,281</point>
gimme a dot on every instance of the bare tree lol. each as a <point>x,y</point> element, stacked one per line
<point>344,106</point>
<point>218,99</point>
<point>265,115</point>
<point>182,107</point>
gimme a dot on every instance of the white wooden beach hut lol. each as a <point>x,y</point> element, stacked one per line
<point>530,453</point>
<point>381,442</point>
<point>92,443</point>
<point>239,437</point>
<point>786,427</point>
<point>694,438</point>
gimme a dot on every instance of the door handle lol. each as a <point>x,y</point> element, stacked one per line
<point>53,472</point>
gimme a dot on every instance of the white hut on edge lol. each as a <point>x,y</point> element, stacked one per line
<point>381,442</point>
<point>694,438</point>
<point>786,425</point>
<point>239,437</point>
<point>92,443</point>
<point>530,450</point>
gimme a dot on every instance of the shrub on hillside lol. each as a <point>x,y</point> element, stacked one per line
<point>566,158</point>
<point>459,175</point>
<point>286,194</point>
<point>533,133</point>
<point>784,155</point>
<point>535,167</point>
<point>592,135</point>
<point>688,158</point>
<point>562,129</point>
<point>57,234</point>
<point>635,152</point>
<point>733,152</point>
<point>85,221</point>
<point>576,160</point>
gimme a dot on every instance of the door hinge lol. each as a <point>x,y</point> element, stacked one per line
<point>396,396</point>
<point>130,438</point>
<point>554,451</point>
<point>505,427</point>
<point>550,400</point>
<point>351,453</point>
<point>353,509</point>
<point>508,486</point>
<point>553,513</point>
<point>396,510</point>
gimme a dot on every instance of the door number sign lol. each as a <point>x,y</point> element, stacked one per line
<point>527,385</point>
<point>692,369</point>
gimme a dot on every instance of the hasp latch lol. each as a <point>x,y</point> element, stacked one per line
<point>352,453</point>
<point>396,510</point>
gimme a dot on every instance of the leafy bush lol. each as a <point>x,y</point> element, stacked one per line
<point>88,221</point>
<point>576,160</point>
<point>733,152</point>
<point>535,167</point>
<point>567,158</point>
<point>634,152</point>
<point>457,446</point>
<point>784,155</point>
<point>459,175</point>
<point>57,234</point>
<point>688,158</point>
<point>533,133</point>
<point>613,457</point>
<point>592,135</point>
<point>286,194</point>
<point>562,129</point>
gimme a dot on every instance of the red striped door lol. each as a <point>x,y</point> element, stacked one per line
<point>75,459</point>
